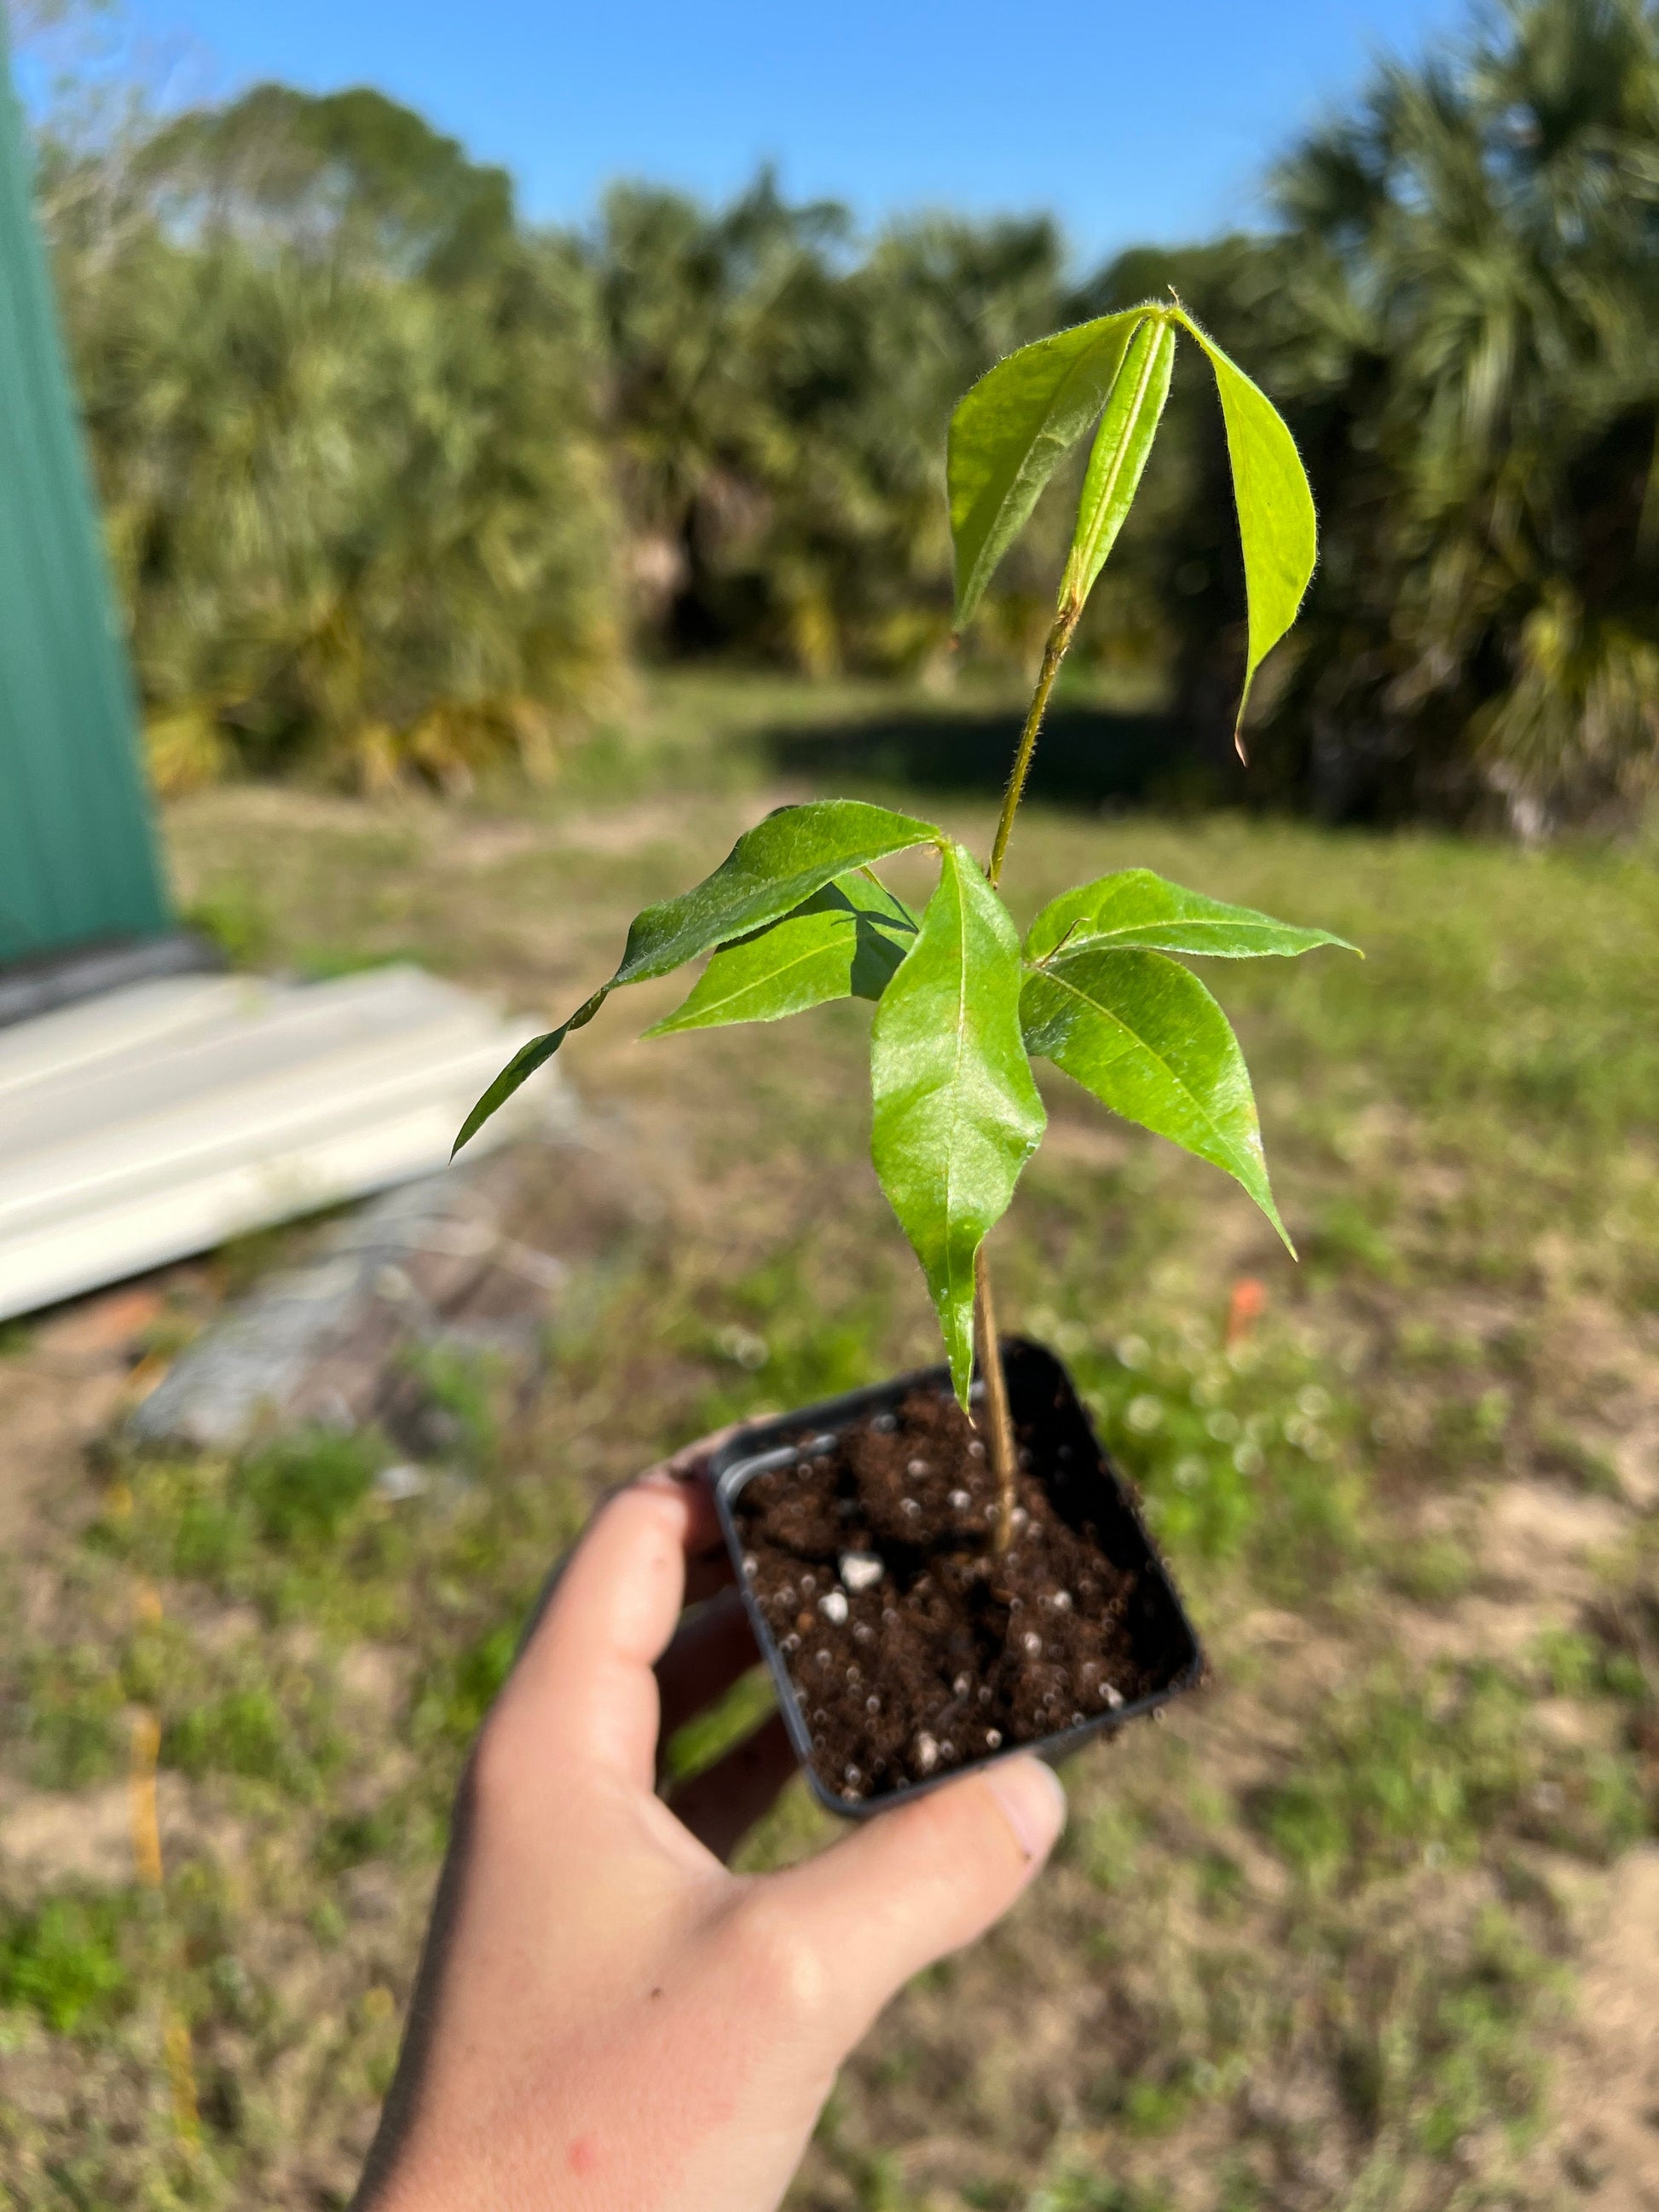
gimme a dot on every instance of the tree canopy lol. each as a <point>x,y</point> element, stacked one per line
<point>399,481</point>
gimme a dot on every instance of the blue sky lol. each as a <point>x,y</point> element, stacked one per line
<point>1142,121</point>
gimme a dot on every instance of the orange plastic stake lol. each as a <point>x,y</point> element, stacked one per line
<point>1244,1309</point>
<point>147,1857</point>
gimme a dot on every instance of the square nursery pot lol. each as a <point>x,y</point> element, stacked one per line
<point>865,1598</point>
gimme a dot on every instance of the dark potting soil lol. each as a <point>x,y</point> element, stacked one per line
<point>914,1648</point>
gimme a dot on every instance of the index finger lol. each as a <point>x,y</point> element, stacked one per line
<point>583,1684</point>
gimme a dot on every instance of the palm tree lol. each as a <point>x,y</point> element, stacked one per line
<point>342,415</point>
<point>1475,278</point>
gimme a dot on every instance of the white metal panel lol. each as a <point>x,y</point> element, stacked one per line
<point>163,1119</point>
<point>96,1028</point>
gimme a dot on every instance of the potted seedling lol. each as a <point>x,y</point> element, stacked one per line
<point>945,1568</point>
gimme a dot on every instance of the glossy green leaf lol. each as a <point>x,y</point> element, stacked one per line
<point>1144,1035</point>
<point>523,1064</point>
<point>848,939</point>
<point>1136,907</point>
<point>1010,432</point>
<point>957,1112</point>
<point>799,962</point>
<point>1277,528</point>
<point>768,872</point>
<point>1134,406</point>
<point>864,893</point>
<point>885,926</point>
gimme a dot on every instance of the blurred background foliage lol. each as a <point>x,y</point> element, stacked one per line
<point>399,484</point>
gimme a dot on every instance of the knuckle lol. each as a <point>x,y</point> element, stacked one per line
<point>780,1967</point>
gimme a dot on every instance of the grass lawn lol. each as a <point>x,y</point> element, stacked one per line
<point>1346,1930</point>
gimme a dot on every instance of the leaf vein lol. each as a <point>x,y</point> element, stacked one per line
<point>1226,1144</point>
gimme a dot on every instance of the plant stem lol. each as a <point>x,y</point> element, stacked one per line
<point>1052,654</point>
<point>999,1423</point>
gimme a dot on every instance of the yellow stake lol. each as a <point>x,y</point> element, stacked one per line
<point>147,1859</point>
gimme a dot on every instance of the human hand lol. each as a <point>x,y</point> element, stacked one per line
<point>606,2018</point>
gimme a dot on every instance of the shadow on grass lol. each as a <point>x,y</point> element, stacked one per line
<point>1087,756</point>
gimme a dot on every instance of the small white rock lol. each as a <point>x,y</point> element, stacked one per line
<point>1032,1641</point>
<point>911,1505</point>
<point>926,1753</point>
<point>404,1480</point>
<point>960,1500</point>
<point>975,1449</point>
<point>833,1605</point>
<point>961,1686</point>
<point>1019,1517</point>
<point>1062,1601</point>
<point>917,1466</point>
<point>1113,1696</point>
<point>860,1571</point>
<point>994,1739</point>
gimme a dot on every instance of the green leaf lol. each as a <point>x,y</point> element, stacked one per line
<point>1277,527</point>
<point>1134,406</point>
<point>849,938</point>
<point>1009,433</point>
<point>885,926</point>
<point>1136,907</point>
<point>957,1112</point>
<point>1145,1036</point>
<point>770,870</point>
<point>523,1064</point>
<point>798,963</point>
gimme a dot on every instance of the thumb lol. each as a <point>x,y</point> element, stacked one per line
<point>922,1881</point>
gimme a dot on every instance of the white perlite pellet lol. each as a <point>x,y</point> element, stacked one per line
<point>926,1753</point>
<point>860,1571</point>
<point>833,1605</point>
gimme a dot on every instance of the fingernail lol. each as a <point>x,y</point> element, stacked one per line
<point>672,1480</point>
<point>1033,1803</point>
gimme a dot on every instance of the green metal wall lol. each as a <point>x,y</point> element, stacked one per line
<point>78,859</point>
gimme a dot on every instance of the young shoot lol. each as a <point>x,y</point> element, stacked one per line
<point>796,915</point>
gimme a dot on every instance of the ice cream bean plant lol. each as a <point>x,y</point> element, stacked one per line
<point>796,914</point>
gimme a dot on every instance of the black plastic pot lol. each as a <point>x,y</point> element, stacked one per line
<point>1083,1484</point>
